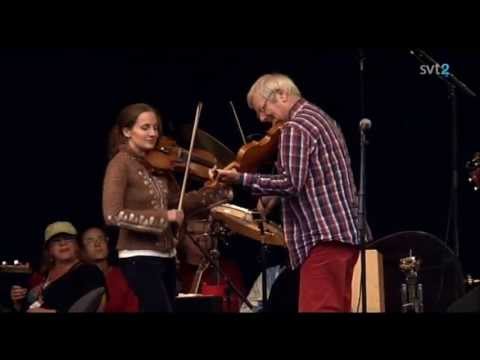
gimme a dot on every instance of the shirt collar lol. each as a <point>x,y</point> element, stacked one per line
<point>295,108</point>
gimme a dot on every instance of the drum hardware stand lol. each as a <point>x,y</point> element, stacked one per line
<point>215,255</point>
<point>260,220</point>
<point>218,231</point>
<point>215,264</point>
<point>411,291</point>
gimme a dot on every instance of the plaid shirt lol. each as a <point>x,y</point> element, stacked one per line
<point>315,180</point>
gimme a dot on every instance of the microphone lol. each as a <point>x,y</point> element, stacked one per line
<point>365,124</point>
<point>361,58</point>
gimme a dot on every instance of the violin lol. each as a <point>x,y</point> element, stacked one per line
<point>255,153</point>
<point>167,155</point>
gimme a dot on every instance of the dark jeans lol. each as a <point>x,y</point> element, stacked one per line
<point>153,279</point>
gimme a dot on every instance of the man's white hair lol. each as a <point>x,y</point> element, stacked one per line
<point>268,84</point>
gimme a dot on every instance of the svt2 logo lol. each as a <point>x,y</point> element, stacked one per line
<point>435,70</point>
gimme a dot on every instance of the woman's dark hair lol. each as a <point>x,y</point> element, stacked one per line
<point>126,119</point>
<point>46,263</point>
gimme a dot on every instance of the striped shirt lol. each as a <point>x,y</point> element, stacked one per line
<point>315,181</point>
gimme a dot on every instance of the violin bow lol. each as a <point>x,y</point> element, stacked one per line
<point>189,158</point>
<point>238,124</point>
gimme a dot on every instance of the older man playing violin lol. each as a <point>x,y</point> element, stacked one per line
<point>317,188</point>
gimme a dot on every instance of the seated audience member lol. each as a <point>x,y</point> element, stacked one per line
<point>63,280</point>
<point>120,298</point>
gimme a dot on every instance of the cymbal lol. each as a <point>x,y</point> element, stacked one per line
<point>206,142</point>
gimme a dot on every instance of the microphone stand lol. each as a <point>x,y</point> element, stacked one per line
<point>362,212</point>
<point>453,83</point>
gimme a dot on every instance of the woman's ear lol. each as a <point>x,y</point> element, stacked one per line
<point>127,132</point>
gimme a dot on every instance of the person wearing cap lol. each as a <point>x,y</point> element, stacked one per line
<point>94,246</point>
<point>66,278</point>
<point>142,201</point>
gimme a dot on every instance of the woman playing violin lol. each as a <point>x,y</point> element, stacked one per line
<point>141,200</point>
<point>316,184</point>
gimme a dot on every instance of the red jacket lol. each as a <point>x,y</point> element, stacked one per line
<point>120,297</point>
<point>231,302</point>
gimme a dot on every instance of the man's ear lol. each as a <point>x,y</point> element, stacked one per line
<point>282,96</point>
<point>127,133</point>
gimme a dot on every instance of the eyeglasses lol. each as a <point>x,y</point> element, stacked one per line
<point>93,241</point>
<point>267,99</point>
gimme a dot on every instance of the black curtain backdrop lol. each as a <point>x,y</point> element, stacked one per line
<point>57,106</point>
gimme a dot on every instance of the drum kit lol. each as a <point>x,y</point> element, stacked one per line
<point>226,219</point>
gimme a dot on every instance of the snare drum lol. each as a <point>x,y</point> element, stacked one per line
<point>241,221</point>
<point>198,226</point>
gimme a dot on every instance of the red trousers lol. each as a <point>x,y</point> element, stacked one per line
<point>326,278</point>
